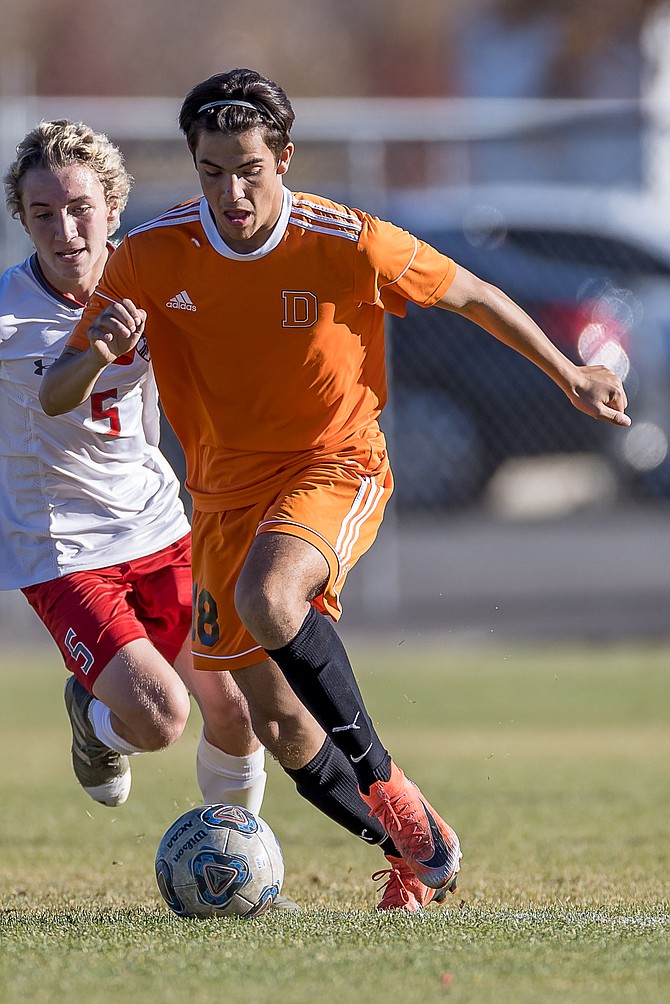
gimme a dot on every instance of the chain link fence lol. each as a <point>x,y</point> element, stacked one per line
<point>473,422</point>
<point>557,202</point>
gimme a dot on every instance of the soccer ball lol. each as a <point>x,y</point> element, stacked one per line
<point>219,861</point>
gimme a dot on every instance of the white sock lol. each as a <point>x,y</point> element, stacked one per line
<point>100,718</point>
<point>232,780</point>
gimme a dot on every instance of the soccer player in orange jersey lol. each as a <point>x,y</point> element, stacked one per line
<point>264,312</point>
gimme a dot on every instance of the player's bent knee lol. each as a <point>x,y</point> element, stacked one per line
<point>265,608</point>
<point>252,611</point>
<point>250,603</point>
<point>161,723</point>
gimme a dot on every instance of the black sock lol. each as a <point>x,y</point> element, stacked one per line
<point>329,783</point>
<point>317,669</point>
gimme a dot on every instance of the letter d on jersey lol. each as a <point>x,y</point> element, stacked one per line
<point>301,308</point>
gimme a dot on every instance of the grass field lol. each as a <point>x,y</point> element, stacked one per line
<point>552,764</point>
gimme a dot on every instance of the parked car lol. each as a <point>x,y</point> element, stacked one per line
<point>593,269</point>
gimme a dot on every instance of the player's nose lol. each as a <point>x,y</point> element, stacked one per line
<point>233,189</point>
<point>65,227</point>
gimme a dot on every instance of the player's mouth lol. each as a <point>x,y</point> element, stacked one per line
<point>72,256</point>
<point>237,217</point>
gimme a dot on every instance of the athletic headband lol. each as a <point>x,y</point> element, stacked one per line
<point>211,105</point>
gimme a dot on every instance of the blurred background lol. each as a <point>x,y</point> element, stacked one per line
<point>530,142</point>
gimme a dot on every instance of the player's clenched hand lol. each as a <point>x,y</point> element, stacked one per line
<point>116,330</point>
<point>599,392</point>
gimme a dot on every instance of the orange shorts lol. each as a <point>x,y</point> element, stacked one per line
<point>335,505</point>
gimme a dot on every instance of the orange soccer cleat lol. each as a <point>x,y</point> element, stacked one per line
<point>403,891</point>
<point>427,844</point>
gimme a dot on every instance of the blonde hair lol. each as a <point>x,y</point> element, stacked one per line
<point>60,143</point>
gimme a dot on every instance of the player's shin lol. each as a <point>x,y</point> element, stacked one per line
<point>330,784</point>
<point>317,668</point>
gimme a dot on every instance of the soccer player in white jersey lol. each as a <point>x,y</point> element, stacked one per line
<point>92,529</point>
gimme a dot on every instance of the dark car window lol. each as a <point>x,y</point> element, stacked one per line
<point>587,249</point>
<point>478,403</point>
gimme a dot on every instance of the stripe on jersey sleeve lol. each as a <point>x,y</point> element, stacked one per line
<point>325,220</point>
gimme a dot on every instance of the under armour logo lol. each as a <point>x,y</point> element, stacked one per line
<point>348,728</point>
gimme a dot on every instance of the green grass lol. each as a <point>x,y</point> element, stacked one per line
<point>552,764</point>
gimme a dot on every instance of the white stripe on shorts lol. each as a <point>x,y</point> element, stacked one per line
<point>361,509</point>
<point>223,658</point>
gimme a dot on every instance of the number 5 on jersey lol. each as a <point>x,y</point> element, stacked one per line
<point>98,410</point>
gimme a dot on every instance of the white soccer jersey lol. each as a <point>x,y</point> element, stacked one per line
<point>83,490</point>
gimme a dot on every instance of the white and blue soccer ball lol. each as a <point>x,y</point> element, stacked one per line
<point>219,861</point>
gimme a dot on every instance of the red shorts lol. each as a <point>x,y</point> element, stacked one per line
<point>91,615</point>
<point>336,505</point>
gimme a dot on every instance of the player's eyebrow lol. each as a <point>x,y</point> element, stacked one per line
<point>78,198</point>
<point>252,162</point>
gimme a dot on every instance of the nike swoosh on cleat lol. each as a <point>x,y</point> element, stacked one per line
<point>441,856</point>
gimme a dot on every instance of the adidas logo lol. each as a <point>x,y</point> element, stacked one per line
<point>182,301</point>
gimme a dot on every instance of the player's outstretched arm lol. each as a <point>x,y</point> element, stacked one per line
<point>595,390</point>
<point>70,380</point>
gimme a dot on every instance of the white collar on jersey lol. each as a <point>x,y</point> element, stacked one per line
<point>217,242</point>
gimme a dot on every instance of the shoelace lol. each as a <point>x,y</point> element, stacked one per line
<point>387,813</point>
<point>393,886</point>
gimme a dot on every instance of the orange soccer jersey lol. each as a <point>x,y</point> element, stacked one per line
<point>277,354</point>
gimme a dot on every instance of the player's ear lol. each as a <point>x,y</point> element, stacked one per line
<point>113,214</point>
<point>285,158</point>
